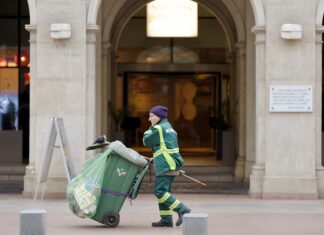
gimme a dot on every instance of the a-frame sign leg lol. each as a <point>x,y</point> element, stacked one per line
<point>57,129</point>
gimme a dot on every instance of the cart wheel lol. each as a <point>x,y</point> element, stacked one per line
<point>111,219</point>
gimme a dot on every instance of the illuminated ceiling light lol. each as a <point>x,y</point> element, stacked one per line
<point>172,18</point>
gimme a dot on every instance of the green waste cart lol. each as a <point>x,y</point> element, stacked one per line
<point>125,170</point>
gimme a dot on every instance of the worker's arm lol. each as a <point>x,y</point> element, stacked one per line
<point>151,137</point>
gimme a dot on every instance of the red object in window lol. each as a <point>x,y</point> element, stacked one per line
<point>27,77</point>
<point>24,59</point>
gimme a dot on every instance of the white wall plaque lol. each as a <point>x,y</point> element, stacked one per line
<point>287,98</point>
<point>60,31</point>
<point>291,31</point>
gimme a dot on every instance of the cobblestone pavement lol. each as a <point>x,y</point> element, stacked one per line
<point>227,215</point>
<point>16,187</point>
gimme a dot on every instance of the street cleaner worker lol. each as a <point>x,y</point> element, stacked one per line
<point>167,162</point>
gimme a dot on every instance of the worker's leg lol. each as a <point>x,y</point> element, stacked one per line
<point>162,186</point>
<point>167,202</point>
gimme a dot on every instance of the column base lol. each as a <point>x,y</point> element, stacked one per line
<point>239,169</point>
<point>289,188</point>
<point>320,181</point>
<point>256,181</point>
<point>248,170</point>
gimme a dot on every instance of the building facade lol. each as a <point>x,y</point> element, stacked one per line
<point>246,52</point>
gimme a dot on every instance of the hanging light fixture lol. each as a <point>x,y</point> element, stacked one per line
<point>172,18</point>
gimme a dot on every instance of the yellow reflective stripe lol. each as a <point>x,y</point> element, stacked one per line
<point>164,198</point>
<point>162,143</point>
<point>157,153</point>
<point>164,149</point>
<point>174,205</point>
<point>148,132</point>
<point>169,160</point>
<point>175,150</point>
<point>168,212</point>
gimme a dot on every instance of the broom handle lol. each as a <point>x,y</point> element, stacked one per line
<point>193,179</point>
<point>183,173</point>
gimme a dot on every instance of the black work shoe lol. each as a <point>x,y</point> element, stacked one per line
<point>162,224</point>
<point>180,214</point>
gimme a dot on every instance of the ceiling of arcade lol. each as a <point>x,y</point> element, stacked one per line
<point>230,15</point>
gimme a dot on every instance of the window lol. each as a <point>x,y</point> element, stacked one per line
<point>188,98</point>
<point>14,69</point>
<point>14,62</point>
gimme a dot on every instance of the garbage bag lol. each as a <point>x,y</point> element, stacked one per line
<point>128,153</point>
<point>83,192</point>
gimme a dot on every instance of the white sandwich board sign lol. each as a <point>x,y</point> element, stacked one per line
<point>57,131</point>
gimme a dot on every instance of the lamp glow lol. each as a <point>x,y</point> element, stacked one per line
<point>172,18</point>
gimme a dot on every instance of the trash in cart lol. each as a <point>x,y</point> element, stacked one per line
<point>104,183</point>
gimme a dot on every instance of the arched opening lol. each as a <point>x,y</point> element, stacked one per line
<point>193,97</point>
<point>161,64</point>
<point>190,76</point>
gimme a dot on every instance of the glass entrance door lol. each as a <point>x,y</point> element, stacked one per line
<point>191,99</point>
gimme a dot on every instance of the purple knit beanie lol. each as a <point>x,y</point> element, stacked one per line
<point>160,111</point>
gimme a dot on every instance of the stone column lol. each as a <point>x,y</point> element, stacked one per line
<point>59,89</point>
<point>105,53</point>
<point>250,96</point>
<point>93,111</point>
<point>111,76</point>
<point>318,105</point>
<point>241,109</point>
<point>290,137</point>
<point>30,169</point>
<point>258,169</point>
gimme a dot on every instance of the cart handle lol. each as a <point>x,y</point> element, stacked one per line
<point>96,146</point>
<point>139,181</point>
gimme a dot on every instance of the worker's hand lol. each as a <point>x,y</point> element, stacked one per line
<point>149,159</point>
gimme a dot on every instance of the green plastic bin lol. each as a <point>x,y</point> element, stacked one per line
<point>122,180</point>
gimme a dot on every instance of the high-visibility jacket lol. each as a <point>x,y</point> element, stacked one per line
<point>163,140</point>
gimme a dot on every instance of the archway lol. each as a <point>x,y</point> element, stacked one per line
<point>114,17</point>
<point>234,30</point>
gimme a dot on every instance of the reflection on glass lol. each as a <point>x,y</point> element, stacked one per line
<point>9,99</point>
<point>24,57</point>
<point>189,98</point>
<point>9,57</point>
<point>8,111</point>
